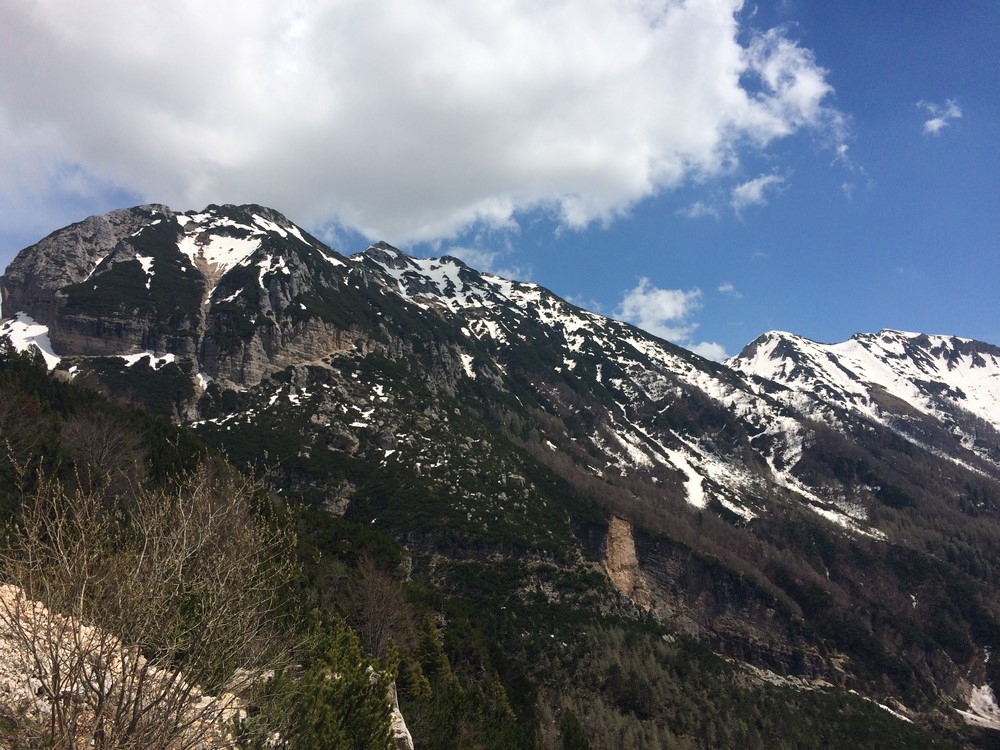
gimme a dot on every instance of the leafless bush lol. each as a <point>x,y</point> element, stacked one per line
<point>108,457</point>
<point>379,610</point>
<point>135,624</point>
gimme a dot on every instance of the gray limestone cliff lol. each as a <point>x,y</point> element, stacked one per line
<point>232,292</point>
<point>33,280</point>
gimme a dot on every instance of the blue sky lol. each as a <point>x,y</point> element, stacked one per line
<point>709,170</point>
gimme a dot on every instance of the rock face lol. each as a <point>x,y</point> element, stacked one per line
<point>401,737</point>
<point>233,293</point>
<point>44,654</point>
<point>66,257</point>
<point>622,565</point>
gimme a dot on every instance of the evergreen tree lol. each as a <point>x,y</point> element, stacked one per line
<point>572,732</point>
<point>340,702</point>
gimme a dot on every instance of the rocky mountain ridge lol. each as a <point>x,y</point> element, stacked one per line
<point>906,381</point>
<point>791,507</point>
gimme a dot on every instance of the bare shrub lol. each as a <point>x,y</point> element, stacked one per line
<point>379,610</point>
<point>136,623</point>
<point>108,457</point>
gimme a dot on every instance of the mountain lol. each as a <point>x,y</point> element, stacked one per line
<point>827,515</point>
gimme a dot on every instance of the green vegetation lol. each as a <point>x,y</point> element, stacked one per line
<point>124,522</point>
<point>340,701</point>
<point>493,617</point>
<point>163,391</point>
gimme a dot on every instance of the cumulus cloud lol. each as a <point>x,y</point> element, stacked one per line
<point>940,115</point>
<point>726,287</point>
<point>667,313</point>
<point>710,350</point>
<point>408,121</point>
<point>662,312</point>
<point>754,192</point>
<point>479,258</point>
<point>489,261</point>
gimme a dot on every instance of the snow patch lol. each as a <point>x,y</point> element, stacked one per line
<point>269,226</point>
<point>692,483</point>
<point>329,258</point>
<point>24,332</point>
<point>220,251</point>
<point>983,709</point>
<point>467,360</point>
<point>147,266</point>
<point>271,264</point>
<point>633,447</point>
<point>154,361</point>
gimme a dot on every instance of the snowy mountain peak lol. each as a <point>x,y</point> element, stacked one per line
<point>953,380</point>
<point>439,283</point>
<point>236,293</point>
<point>222,237</point>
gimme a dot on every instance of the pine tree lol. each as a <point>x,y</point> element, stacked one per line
<point>340,702</point>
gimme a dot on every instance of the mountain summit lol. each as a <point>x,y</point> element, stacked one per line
<point>828,512</point>
<point>940,390</point>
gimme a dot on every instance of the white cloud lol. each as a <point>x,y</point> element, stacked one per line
<point>662,312</point>
<point>480,259</point>
<point>698,210</point>
<point>727,287</point>
<point>754,192</point>
<point>796,85</point>
<point>406,121</point>
<point>941,115</point>
<point>667,313</point>
<point>710,350</point>
<point>488,261</point>
<point>855,169</point>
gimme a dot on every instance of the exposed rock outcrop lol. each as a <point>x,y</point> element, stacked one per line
<point>60,674</point>
<point>400,733</point>
<point>622,564</point>
<point>237,290</point>
<point>67,256</point>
